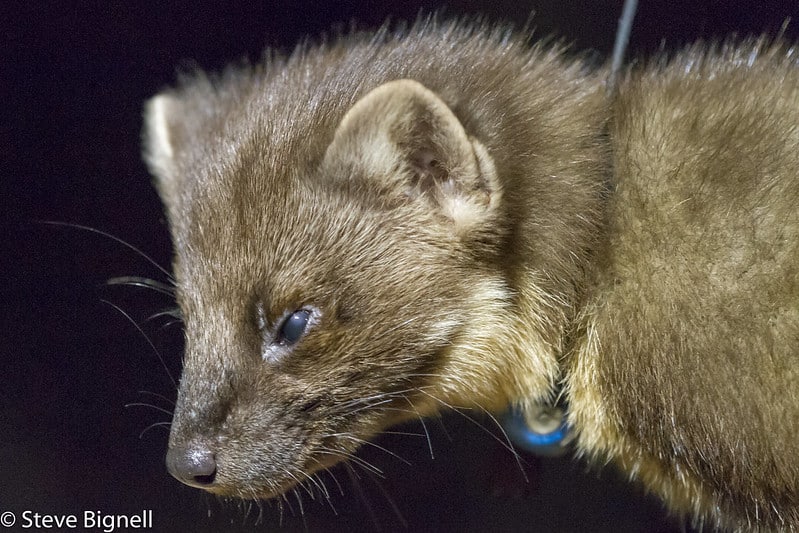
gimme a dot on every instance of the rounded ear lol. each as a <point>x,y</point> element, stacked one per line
<point>404,137</point>
<point>161,137</point>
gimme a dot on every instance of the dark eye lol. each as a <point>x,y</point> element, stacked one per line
<point>293,327</point>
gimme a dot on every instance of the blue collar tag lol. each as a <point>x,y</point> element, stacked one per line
<point>542,430</point>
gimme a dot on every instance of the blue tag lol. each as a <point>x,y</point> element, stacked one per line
<point>542,430</point>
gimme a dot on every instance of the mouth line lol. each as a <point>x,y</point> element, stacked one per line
<point>263,493</point>
<point>320,454</point>
<point>294,477</point>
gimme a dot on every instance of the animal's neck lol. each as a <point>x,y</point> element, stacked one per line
<point>517,336</point>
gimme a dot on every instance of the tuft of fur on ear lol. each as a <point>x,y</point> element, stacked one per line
<point>402,136</point>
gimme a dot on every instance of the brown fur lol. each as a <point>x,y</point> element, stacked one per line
<point>476,235</point>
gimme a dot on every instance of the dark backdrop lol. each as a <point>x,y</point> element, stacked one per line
<point>73,77</point>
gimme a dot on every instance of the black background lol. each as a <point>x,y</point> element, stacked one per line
<point>73,76</point>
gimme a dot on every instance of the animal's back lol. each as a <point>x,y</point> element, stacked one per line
<point>691,350</point>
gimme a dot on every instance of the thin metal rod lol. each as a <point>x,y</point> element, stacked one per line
<point>622,38</point>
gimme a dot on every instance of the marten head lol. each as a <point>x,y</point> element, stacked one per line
<point>321,298</point>
<point>341,246</point>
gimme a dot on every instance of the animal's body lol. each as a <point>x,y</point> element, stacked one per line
<point>375,229</point>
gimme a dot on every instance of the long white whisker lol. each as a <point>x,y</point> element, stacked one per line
<point>298,496</point>
<point>323,487</point>
<point>424,426</point>
<point>379,396</point>
<point>113,238</point>
<point>370,406</point>
<point>335,480</point>
<point>170,323</point>
<point>509,443</point>
<point>160,357</point>
<point>154,425</point>
<point>369,443</point>
<point>280,511</point>
<point>390,501</point>
<point>299,483</point>
<point>173,312</point>
<point>328,472</point>
<point>351,457</point>
<point>475,422</point>
<point>405,433</point>
<point>260,519</point>
<point>157,395</point>
<point>146,283</point>
<point>322,490</point>
<point>285,498</point>
<point>362,495</point>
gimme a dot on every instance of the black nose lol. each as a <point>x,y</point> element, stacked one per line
<point>193,465</point>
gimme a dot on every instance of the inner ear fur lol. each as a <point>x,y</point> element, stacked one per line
<point>407,138</point>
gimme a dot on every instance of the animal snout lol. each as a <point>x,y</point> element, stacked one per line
<point>194,464</point>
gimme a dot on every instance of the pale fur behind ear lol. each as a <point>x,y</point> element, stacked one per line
<point>406,137</point>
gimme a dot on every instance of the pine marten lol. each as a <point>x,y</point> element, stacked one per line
<point>379,227</point>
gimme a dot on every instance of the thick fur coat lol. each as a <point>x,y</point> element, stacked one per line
<point>389,225</point>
